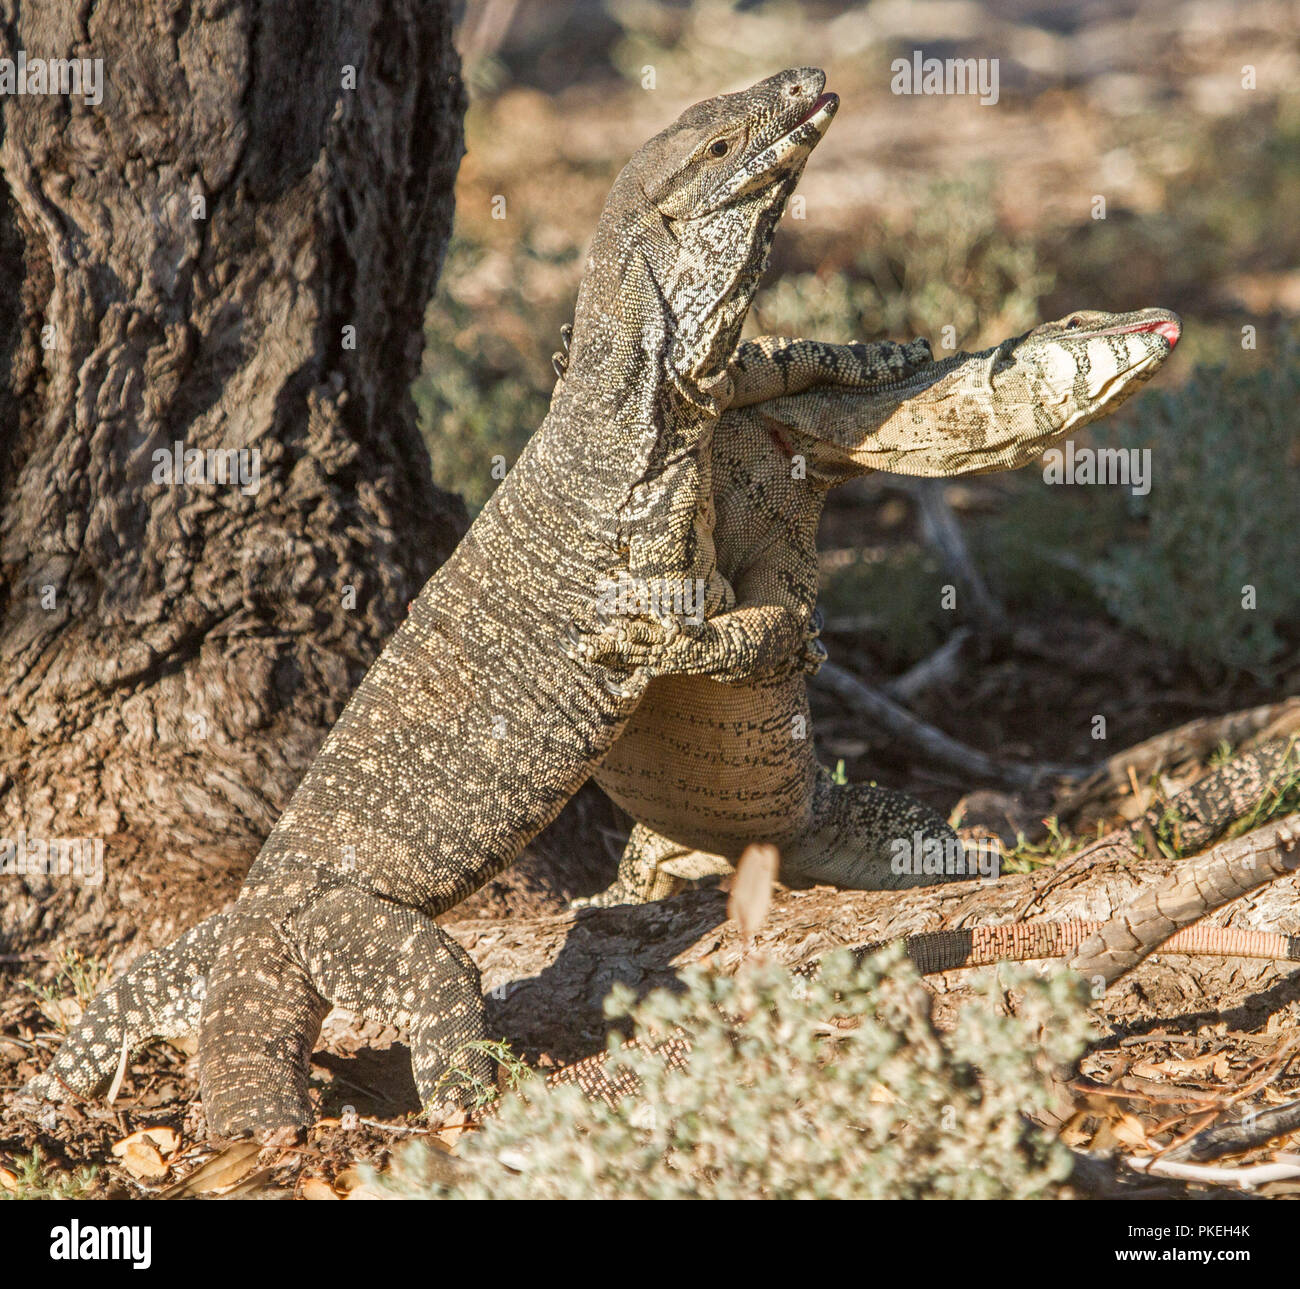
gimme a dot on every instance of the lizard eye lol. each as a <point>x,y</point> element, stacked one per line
<point>718,148</point>
<point>1073,323</point>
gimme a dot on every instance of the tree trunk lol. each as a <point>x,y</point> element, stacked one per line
<point>232,250</point>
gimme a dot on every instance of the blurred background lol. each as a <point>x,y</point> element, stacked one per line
<point>1139,153</point>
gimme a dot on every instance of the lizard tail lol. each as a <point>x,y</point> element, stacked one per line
<point>934,951</point>
<point>867,838</point>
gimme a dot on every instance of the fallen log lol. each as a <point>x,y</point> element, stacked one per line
<point>547,977</point>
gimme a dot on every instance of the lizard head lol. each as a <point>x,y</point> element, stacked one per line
<point>995,410</point>
<point>686,231</point>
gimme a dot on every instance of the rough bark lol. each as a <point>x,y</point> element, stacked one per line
<point>195,248</point>
<point>546,977</point>
<point>1194,888</point>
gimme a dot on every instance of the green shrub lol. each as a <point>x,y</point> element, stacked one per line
<point>478,395</point>
<point>948,263</point>
<point>832,1087</point>
<point>1222,516</point>
<point>1038,547</point>
<point>905,590</point>
<point>34,1177</point>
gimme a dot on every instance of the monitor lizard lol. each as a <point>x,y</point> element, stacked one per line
<point>706,768</point>
<point>162,993</point>
<point>481,717</point>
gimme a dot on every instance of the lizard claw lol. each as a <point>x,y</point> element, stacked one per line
<point>621,689</point>
<point>814,655</point>
<point>560,359</point>
<point>575,648</point>
<point>672,629</point>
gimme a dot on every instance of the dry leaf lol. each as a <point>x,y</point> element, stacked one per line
<point>317,1188</point>
<point>8,1180</point>
<point>141,1159</point>
<point>1075,1132</point>
<point>348,1180</point>
<point>751,888</point>
<point>222,1170</point>
<point>453,1126</point>
<point>165,1139</point>
<point>1129,1131</point>
<point>881,1095</point>
<point>64,1012</point>
<point>253,1183</point>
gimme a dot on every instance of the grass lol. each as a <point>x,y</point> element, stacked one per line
<point>513,1072</point>
<point>76,978</point>
<point>34,1178</point>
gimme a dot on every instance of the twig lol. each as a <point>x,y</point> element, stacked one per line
<point>941,665</point>
<point>940,527</point>
<point>1272,1066</point>
<point>395,1127</point>
<point>1151,1091</point>
<point>1195,738</point>
<point>1196,887</point>
<point>1284,1167</point>
<point>1236,1138</point>
<point>933,744</point>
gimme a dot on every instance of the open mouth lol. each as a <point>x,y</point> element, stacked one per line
<point>822,101</point>
<point>1166,328</point>
<point>784,154</point>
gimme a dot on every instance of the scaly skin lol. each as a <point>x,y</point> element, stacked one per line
<point>707,768</point>
<point>480,719</point>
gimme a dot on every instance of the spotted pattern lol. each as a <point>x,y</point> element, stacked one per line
<point>706,768</point>
<point>476,723</point>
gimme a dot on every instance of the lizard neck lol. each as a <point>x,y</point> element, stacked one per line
<point>625,413</point>
<point>628,336</point>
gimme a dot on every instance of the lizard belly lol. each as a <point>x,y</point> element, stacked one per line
<point>716,766</point>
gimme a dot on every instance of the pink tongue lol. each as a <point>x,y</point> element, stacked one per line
<point>821,101</point>
<point>1170,330</point>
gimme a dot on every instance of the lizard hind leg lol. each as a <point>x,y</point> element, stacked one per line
<point>653,867</point>
<point>260,1020</point>
<point>391,963</point>
<point>159,996</point>
<point>868,838</point>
